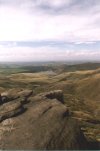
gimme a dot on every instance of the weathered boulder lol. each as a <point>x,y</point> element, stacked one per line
<point>8,96</point>
<point>56,94</point>
<point>25,93</point>
<point>13,95</point>
<point>10,109</point>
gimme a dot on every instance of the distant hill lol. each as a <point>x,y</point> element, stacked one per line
<point>79,67</point>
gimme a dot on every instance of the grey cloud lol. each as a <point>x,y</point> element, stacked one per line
<point>75,6</point>
<point>47,6</point>
<point>79,19</point>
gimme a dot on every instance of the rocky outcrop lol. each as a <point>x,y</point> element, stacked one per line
<point>46,124</point>
<point>10,109</point>
<point>56,94</point>
<point>25,93</point>
<point>9,96</point>
<point>12,103</point>
<point>13,94</point>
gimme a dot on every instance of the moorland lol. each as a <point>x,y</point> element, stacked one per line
<point>77,83</point>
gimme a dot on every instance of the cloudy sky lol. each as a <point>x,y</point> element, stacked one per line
<point>46,30</point>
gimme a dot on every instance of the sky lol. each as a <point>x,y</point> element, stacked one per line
<point>49,30</point>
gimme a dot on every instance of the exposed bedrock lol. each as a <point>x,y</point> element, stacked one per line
<point>46,124</point>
